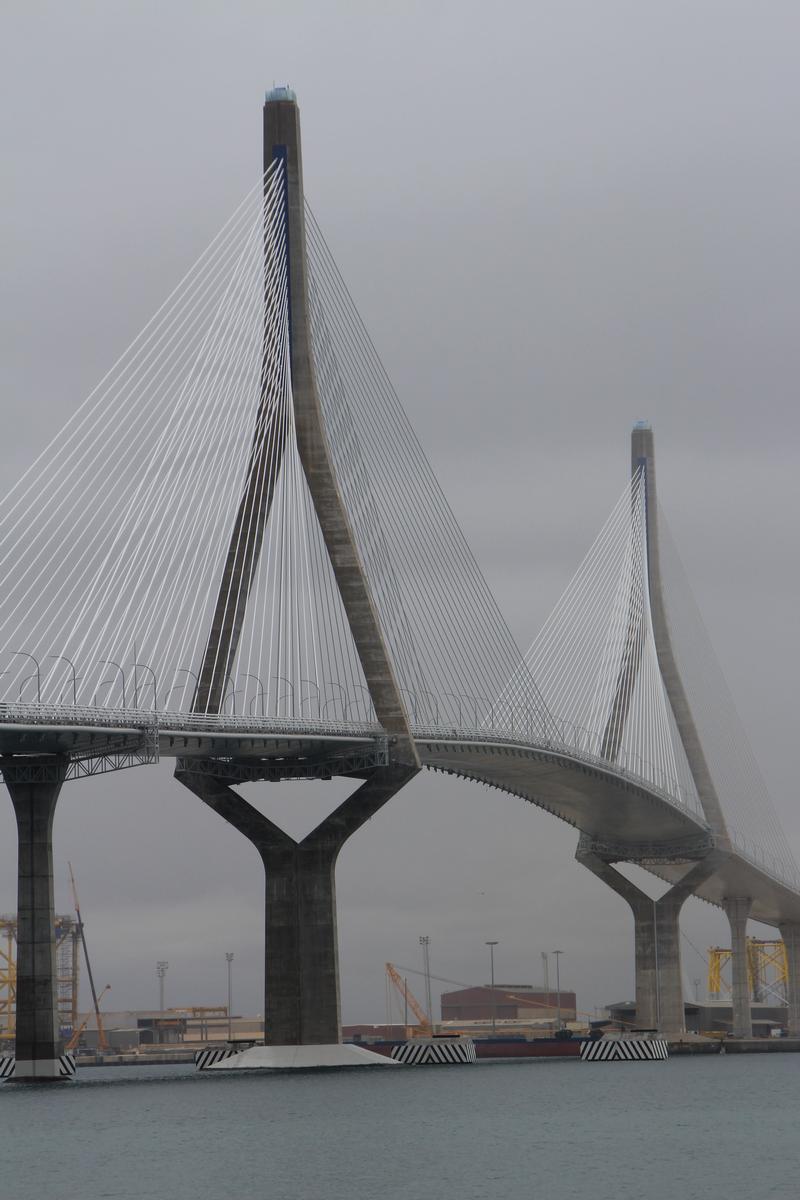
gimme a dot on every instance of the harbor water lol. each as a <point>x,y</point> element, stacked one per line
<point>704,1128</point>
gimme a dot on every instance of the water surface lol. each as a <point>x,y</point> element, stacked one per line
<point>707,1128</point>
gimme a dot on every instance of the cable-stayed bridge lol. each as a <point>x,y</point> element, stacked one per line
<point>236,554</point>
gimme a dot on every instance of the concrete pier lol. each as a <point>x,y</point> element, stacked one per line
<point>791,940</point>
<point>659,982</point>
<point>737,909</point>
<point>301,1005</point>
<point>38,1046</point>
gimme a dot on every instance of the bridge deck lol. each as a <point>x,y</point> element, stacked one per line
<point>626,814</point>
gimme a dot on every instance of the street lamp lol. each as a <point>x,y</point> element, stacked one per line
<point>305,699</point>
<point>38,674</point>
<point>278,699</point>
<point>144,667</point>
<point>195,677</point>
<point>425,942</point>
<point>161,970</point>
<point>74,676</point>
<point>557,955</point>
<point>229,961</point>
<point>259,694</point>
<point>491,946</point>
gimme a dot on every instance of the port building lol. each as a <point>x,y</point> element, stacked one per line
<point>508,1002</point>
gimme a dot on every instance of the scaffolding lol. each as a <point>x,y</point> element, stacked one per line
<point>67,973</point>
<point>767,971</point>
<point>8,977</point>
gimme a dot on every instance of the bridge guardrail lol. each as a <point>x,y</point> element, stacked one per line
<point>434,732</point>
<point>139,718</point>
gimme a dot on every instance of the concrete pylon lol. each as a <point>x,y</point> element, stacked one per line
<point>282,140</point>
<point>38,1046</point>
<point>659,980</point>
<point>737,910</point>
<point>643,456</point>
<point>301,1005</point>
<point>790,932</point>
<point>282,143</point>
<point>302,987</point>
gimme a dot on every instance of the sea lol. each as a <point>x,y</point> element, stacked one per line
<point>703,1128</point>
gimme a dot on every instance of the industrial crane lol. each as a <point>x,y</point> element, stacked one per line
<point>102,1041</point>
<point>76,1037</point>
<point>401,986</point>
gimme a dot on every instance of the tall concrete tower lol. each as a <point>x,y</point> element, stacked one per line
<point>301,952</point>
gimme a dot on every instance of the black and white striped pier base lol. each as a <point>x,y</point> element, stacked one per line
<point>625,1050</point>
<point>435,1052</point>
<point>204,1059</point>
<point>38,1070</point>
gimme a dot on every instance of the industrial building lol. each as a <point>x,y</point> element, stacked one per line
<point>508,1002</point>
<point>711,1016</point>
<point>133,1029</point>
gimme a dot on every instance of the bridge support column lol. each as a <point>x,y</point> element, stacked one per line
<point>643,908</point>
<point>301,984</point>
<point>791,940</point>
<point>38,1046</point>
<point>737,910</point>
<point>659,983</point>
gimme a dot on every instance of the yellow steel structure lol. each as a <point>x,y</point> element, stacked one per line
<point>8,977</point>
<point>66,967</point>
<point>767,971</point>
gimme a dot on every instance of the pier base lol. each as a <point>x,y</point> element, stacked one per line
<point>301,1058</point>
<point>39,1050</point>
<point>301,1006</point>
<point>791,940</point>
<point>737,910</point>
<point>659,982</point>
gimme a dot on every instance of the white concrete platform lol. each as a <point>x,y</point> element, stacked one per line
<point>40,1070</point>
<point>304,1058</point>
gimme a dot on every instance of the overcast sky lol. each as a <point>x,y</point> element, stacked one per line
<point>556,218</point>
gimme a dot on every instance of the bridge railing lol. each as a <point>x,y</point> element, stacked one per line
<point>88,716</point>
<point>782,872</point>
<point>514,724</point>
<point>499,737</point>
<point>523,726</point>
<point>521,722</point>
